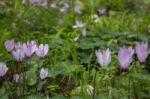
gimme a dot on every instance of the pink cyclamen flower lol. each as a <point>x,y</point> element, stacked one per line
<point>3,69</point>
<point>9,44</point>
<point>33,1</point>
<point>141,51</point>
<point>125,58</point>
<point>43,73</point>
<point>29,48</point>
<point>19,45</point>
<point>42,51</point>
<point>16,77</point>
<point>104,57</point>
<point>18,55</point>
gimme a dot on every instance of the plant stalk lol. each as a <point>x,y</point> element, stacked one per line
<point>94,92</point>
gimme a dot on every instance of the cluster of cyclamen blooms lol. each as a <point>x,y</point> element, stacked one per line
<point>124,55</point>
<point>21,50</point>
<point>43,3</point>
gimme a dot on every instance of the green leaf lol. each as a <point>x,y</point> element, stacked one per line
<point>3,94</point>
<point>31,78</point>
<point>76,97</point>
<point>58,97</point>
<point>35,96</point>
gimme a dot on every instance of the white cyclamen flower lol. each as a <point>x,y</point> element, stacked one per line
<point>104,57</point>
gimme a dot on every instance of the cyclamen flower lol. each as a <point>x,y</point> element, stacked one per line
<point>18,55</point>
<point>42,50</point>
<point>3,69</point>
<point>9,44</point>
<point>23,1</point>
<point>141,51</point>
<point>33,1</point>
<point>43,73</point>
<point>102,11</point>
<point>43,3</point>
<point>104,57</point>
<point>125,58</point>
<point>19,45</point>
<point>77,9</point>
<point>16,77</point>
<point>29,48</point>
<point>30,1</point>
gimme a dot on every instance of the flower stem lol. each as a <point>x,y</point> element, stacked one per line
<point>112,85</point>
<point>94,92</point>
<point>129,88</point>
